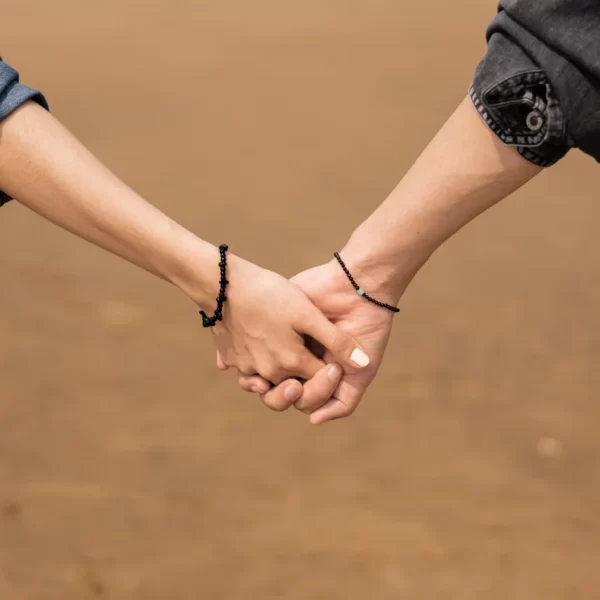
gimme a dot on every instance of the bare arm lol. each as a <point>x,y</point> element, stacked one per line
<point>265,318</point>
<point>463,171</point>
<point>48,170</point>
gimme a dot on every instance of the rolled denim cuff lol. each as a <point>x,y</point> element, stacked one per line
<point>514,97</point>
<point>12,95</point>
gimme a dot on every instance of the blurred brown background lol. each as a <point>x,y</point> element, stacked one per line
<point>130,468</point>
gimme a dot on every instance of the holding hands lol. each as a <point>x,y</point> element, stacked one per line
<point>332,391</point>
<point>463,172</point>
<point>263,334</point>
<point>312,342</point>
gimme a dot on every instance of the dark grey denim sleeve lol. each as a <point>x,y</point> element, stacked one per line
<point>538,87</point>
<point>12,95</point>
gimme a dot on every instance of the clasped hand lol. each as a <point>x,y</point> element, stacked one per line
<point>310,342</point>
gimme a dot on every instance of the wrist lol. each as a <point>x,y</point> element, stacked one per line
<point>384,273</point>
<point>195,271</point>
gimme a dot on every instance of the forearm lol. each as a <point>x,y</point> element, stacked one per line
<point>464,171</point>
<point>44,167</point>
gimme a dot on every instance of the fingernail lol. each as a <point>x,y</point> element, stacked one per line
<point>334,372</point>
<point>290,393</point>
<point>359,358</point>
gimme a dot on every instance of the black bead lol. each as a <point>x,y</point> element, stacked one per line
<point>357,287</point>
<point>222,298</point>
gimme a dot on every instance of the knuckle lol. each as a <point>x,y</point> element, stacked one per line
<point>272,374</point>
<point>245,369</point>
<point>291,362</point>
<point>348,411</point>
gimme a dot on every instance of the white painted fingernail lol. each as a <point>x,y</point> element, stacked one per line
<point>359,358</point>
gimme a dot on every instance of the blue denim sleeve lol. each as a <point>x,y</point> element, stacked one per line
<point>538,86</point>
<point>12,95</point>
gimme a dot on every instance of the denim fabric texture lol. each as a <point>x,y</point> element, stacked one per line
<point>538,87</point>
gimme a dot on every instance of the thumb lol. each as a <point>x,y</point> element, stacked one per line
<point>344,348</point>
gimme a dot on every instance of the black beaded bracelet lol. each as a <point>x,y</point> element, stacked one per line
<point>218,316</point>
<point>360,291</point>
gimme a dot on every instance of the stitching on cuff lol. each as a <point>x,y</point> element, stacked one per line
<point>524,151</point>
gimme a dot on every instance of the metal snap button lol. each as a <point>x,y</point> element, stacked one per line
<point>534,120</point>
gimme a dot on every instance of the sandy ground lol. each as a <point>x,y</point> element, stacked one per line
<point>130,468</point>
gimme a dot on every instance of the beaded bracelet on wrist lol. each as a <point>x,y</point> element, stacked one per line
<point>360,291</point>
<point>221,299</point>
